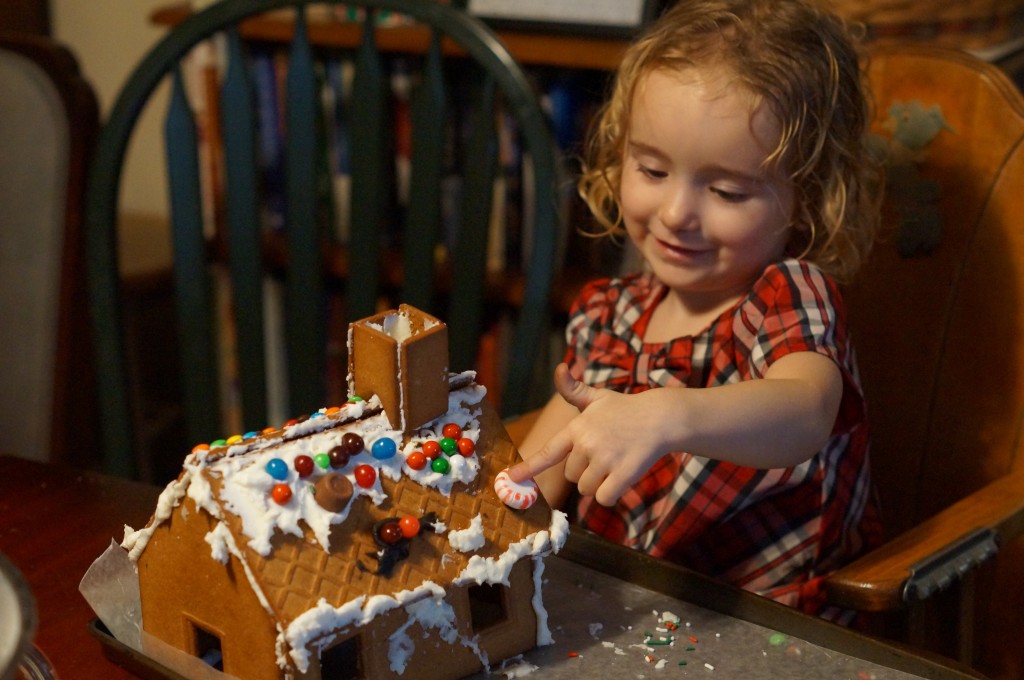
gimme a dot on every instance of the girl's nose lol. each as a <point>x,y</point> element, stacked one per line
<point>678,210</point>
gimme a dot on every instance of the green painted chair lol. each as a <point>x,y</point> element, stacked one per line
<point>392,253</point>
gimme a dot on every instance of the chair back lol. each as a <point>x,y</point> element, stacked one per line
<point>48,124</point>
<point>271,262</point>
<point>937,311</point>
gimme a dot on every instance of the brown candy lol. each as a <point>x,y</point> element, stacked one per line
<point>332,492</point>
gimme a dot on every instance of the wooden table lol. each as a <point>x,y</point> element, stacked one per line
<point>54,522</point>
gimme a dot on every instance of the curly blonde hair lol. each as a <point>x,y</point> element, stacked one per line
<point>799,59</point>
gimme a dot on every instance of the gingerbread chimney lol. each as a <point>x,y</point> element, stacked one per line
<point>402,357</point>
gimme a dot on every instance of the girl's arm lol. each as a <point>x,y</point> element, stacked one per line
<point>778,421</point>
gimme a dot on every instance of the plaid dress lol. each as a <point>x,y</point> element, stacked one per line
<point>775,531</point>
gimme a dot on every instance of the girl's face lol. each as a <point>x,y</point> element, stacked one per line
<point>696,199</point>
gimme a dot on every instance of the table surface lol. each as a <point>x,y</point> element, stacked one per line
<point>54,522</point>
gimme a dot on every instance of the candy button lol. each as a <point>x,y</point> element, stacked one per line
<point>515,495</point>
<point>365,476</point>
<point>338,456</point>
<point>409,525</point>
<point>416,460</point>
<point>390,533</point>
<point>281,493</point>
<point>431,449</point>
<point>352,443</point>
<point>384,448</point>
<point>303,465</point>
<point>277,469</point>
<point>234,439</point>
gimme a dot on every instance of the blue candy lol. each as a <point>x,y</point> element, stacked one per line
<point>277,468</point>
<point>384,447</point>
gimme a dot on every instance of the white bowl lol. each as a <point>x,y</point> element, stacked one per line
<point>17,618</point>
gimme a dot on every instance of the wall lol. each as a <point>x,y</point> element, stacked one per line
<point>109,37</point>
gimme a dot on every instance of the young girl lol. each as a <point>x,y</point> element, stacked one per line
<point>732,154</point>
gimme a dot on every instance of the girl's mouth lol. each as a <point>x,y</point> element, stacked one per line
<point>679,253</point>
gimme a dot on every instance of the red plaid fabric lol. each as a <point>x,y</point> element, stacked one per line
<point>776,532</point>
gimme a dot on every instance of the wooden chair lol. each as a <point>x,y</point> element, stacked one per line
<point>939,333</point>
<point>393,253</point>
<point>48,124</point>
<point>940,338</point>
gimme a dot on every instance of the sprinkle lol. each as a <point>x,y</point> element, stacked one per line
<point>573,655</point>
<point>776,639</point>
<point>709,667</point>
<point>693,639</point>
<point>682,663</point>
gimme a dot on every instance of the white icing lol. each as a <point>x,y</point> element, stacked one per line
<point>469,539</point>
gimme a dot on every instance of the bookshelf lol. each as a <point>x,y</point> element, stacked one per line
<point>529,48</point>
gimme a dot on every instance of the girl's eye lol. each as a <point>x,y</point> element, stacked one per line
<point>729,196</point>
<point>652,173</point>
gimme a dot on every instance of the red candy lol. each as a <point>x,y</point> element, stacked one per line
<point>451,430</point>
<point>431,449</point>
<point>416,460</point>
<point>281,493</point>
<point>303,465</point>
<point>409,525</point>
<point>466,446</point>
<point>365,475</point>
<point>390,533</point>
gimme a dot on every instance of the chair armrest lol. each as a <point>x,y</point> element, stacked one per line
<point>519,426</point>
<point>877,581</point>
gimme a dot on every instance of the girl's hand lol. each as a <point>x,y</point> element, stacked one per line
<point>606,448</point>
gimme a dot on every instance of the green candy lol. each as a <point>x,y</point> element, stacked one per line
<point>439,465</point>
<point>322,460</point>
<point>448,445</point>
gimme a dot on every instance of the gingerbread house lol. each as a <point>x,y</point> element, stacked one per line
<point>364,541</point>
